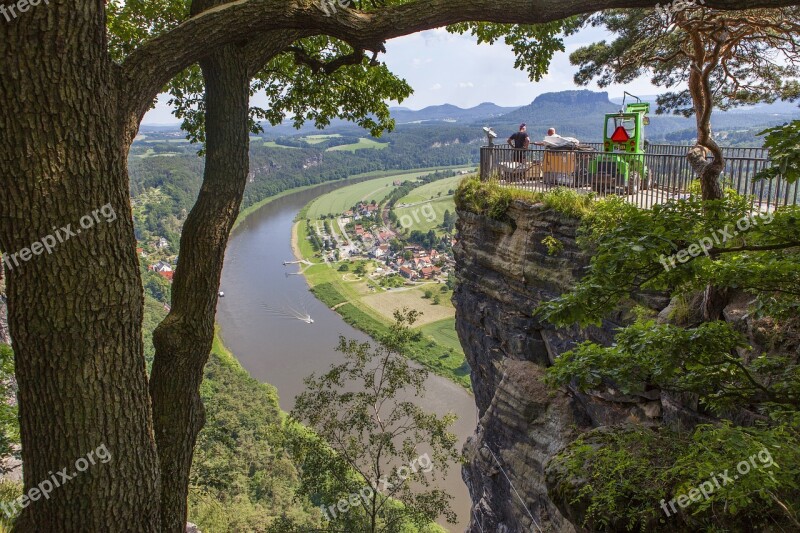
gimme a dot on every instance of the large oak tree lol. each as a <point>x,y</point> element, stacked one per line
<point>69,113</point>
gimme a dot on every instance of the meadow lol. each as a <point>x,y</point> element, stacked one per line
<point>431,198</point>
<point>341,200</point>
<point>360,145</point>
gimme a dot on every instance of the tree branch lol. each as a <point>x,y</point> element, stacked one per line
<point>148,69</point>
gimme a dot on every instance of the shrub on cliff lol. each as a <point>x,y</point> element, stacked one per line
<point>491,198</point>
<point>740,372</point>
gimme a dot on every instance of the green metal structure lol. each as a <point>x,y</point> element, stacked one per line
<point>621,166</point>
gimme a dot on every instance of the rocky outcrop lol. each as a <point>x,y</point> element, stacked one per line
<point>504,271</point>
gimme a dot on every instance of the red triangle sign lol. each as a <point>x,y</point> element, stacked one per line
<point>620,135</point>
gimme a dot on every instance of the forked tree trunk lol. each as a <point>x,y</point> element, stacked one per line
<point>75,314</point>
<point>183,340</point>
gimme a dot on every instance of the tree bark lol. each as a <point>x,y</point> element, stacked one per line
<point>75,312</point>
<point>714,298</point>
<point>700,89</point>
<point>183,340</point>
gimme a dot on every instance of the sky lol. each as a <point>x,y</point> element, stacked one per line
<point>452,69</point>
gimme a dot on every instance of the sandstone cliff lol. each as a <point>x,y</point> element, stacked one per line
<point>504,270</point>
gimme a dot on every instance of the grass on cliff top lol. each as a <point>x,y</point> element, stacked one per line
<point>492,199</point>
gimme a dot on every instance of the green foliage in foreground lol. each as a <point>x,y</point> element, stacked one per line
<point>641,249</point>
<point>247,473</point>
<point>242,477</point>
<point>492,199</point>
<point>631,472</point>
<point>783,142</point>
<point>622,473</point>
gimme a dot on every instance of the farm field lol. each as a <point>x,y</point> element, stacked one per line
<point>386,302</point>
<point>444,333</point>
<point>419,217</point>
<point>360,145</point>
<point>151,153</point>
<point>431,190</point>
<point>316,139</point>
<point>273,144</point>
<point>343,199</point>
<point>426,209</point>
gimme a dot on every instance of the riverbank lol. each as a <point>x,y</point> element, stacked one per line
<point>367,306</point>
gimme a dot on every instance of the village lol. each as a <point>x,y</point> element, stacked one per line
<point>364,232</point>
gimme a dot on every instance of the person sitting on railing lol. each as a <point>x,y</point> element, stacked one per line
<point>520,141</point>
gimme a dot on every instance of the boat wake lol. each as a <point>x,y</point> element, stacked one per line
<point>288,311</point>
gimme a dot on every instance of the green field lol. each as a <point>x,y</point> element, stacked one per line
<point>343,199</point>
<point>361,144</point>
<point>426,216</point>
<point>431,190</point>
<point>273,144</point>
<point>444,333</point>
<point>316,139</point>
<point>429,208</point>
<point>151,153</point>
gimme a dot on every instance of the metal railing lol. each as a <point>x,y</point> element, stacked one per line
<point>661,174</point>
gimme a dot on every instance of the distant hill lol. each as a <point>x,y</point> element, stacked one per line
<point>577,113</point>
<point>573,113</point>
<point>449,113</point>
<point>580,114</point>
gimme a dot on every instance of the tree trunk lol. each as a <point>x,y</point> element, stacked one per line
<point>703,101</point>
<point>714,298</point>
<point>183,340</point>
<point>75,309</point>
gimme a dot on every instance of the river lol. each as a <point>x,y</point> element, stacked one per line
<point>282,351</point>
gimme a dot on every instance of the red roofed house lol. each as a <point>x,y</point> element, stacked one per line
<point>407,273</point>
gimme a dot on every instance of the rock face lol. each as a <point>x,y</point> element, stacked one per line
<point>504,270</point>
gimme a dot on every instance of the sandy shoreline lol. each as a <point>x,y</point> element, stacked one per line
<point>295,247</point>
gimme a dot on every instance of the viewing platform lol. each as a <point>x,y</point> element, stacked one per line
<point>662,173</point>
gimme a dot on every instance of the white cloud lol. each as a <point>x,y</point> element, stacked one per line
<point>466,84</point>
<point>436,87</point>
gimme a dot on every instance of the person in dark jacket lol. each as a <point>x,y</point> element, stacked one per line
<point>520,141</point>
